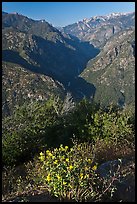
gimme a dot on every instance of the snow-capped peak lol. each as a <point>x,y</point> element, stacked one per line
<point>86,20</point>
<point>113,15</point>
<point>103,17</point>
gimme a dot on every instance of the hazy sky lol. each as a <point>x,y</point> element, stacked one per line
<point>65,13</point>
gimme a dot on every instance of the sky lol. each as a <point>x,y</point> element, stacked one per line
<point>65,13</point>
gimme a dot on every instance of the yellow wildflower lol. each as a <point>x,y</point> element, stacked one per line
<point>66,147</point>
<point>41,153</point>
<point>94,167</point>
<point>67,159</point>
<point>61,148</point>
<point>81,175</point>
<point>42,157</point>
<point>50,154</point>
<point>58,177</point>
<point>86,176</point>
<point>70,167</point>
<point>56,150</point>
<point>48,177</point>
<point>56,161</point>
<point>89,161</point>
<point>64,183</point>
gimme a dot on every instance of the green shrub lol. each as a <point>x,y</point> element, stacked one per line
<point>67,173</point>
<point>71,174</point>
<point>27,131</point>
<point>108,124</point>
<point>36,126</point>
<point>75,122</point>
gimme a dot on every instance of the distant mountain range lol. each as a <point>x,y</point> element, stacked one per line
<point>112,71</point>
<point>98,29</point>
<point>40,61</point>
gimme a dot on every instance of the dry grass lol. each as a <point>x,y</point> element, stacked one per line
<point>105,151</point>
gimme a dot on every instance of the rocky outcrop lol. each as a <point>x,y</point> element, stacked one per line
<point>123,172</point>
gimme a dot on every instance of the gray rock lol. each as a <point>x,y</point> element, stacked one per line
<point>125,184</point>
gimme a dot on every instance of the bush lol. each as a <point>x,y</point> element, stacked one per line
<point>67,173</point>
<point>72,174</point>
<point>109,125</point>
<point>27,131</point>
<point>90,122</point>
<point>37,126</point>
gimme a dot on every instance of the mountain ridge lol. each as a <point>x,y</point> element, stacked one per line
<point>98,29</point>
<point>113,70</point>
<point>42,49</point>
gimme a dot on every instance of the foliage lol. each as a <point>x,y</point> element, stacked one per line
<point>37,126</point>
<point>72,174</point>
<point>67,172</point>
<point>88,134</point>
<point>109,124</point>
<point>90,122</point>
<point>27,131</point>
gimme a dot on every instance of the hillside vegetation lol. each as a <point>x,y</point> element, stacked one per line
<point>77,141</point>
<point>113,70</point>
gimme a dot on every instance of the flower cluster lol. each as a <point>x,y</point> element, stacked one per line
<point>67,171</point>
